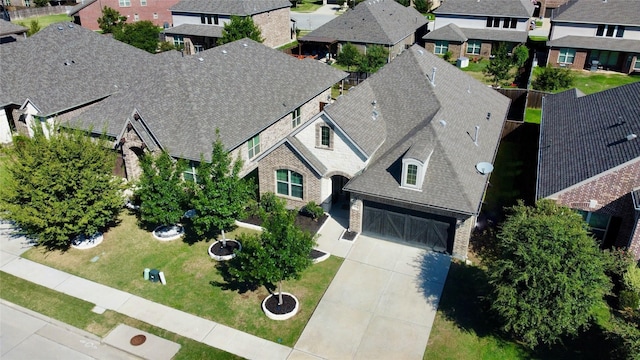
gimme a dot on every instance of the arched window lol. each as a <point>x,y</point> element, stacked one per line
<point>289,183</point>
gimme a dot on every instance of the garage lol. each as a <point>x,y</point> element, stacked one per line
<point>394,223</point>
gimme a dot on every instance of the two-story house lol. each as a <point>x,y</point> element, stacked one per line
<point>596,33</point>
<point>381,22</point>
<point>473,28</point>
<point>198,24</point>
<point>87,12</point>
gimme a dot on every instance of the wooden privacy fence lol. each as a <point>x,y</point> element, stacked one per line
<point>38,11</point>
<point>521,99</point>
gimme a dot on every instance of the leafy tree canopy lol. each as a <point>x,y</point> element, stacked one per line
<point>60,187</point>
<point>375,59</point>
<point>349,55</point>
<point>551,79</point>
<point>111,20</point>
<point>280,252</point>
<point>498,68</point>
<point>141,34</point>
<point>161,190</point>
<point>220,195</point>
<point>520,55</point>
<point>423,6</point>
<point>548,274</point>
<point>239,28</point>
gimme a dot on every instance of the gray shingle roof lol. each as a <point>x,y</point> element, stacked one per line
<point>452,32</point>
<point>511,8</point>
<point>196,30</point>
<point>581,137</point>
<point>411,110</point>
<point>9,28</point>
<point>97,66</point>
<point>596,43</point>
<point>371,22</point>
<point>229,7</point>
<point>617,12</point>
<point>76,9</point>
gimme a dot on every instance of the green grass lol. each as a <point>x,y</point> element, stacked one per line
<point>194,284</point>
<point>591,82</point>
<point>477,66</point>
<point>538,38</point>
<point>533,116</point>
<point>307,6</point>
<point>290,45</point>
<point>44,20</point>
<point>78,313</point>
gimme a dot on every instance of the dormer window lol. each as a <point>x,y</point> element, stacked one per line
<point>414,166</point>
<point>412,174</point>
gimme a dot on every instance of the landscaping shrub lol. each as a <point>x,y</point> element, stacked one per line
<point>447,56</point>
<point>628,299</point>
<point>550,79</point>
<point>313,210</point>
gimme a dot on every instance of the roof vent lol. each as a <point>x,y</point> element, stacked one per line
<point>245,45</point>
<point>488,116</point>
<point>375,114</point>
<point>224,51</point>
<point>200,59</point>
<point>475,139</point>
<point>484,168</point>
<point>60,27</point>
<point>631,137</point>
<point>442,122</point>
<point>70,26</point>
<point>420,52</point>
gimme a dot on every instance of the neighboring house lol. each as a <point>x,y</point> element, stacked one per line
<point>405,148</point>
<point>10,32</point>
<point>589,160</point>
<point>472,28</point>
<point>87,12</point>
<point>545,8</point>
<point>253,94</point>
<point>602,34</point>
<point>198,24</point>
<point>377,22</point>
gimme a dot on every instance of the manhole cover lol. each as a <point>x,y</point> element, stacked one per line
<point>138,340</point>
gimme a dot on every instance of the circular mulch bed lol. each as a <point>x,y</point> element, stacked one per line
<point>138,340</point>
<point>217,248</point>
<point>288,304</point>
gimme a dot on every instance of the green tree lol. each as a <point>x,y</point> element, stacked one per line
<point>220,195</point>
<point>404,3</point>
<point>32,28</point>
<point>552,79</point>
<point>239,28</point>
<point>141,34</point>
<point>60,187</point>
<point>111,20</point>
<point>280,252</point>
<point>423,6</point>
<point>498,68</point>
<point>548,274</point>
<point>375,58</point>
<point>41,3</point>
<point>348,56</point>
<point>161,190</point>
<point>520,55</point>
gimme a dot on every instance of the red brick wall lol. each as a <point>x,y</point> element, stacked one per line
<point>578,61</point>
<point>89,15</point>
<point>613,194</point>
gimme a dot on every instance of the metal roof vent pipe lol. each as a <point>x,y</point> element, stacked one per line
<point>475,139</point>
<point>631,137</point>
<point>433,76</point>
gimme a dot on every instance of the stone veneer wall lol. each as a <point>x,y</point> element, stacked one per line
<point>131,161</point>
<point>275,27</point>
<point>284,158</point>
<point>612,191</point>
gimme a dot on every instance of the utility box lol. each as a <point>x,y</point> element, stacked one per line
<point>145,274</point>
<point>462,62</point>
<point>154,275</point>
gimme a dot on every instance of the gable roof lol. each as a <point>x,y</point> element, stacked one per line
<point>617,12</point>
<point>371,22</point>
<point>9,28</point>
<point>583,136</point>
<point>76,9</point>
<point>411,109</point>
<point>511,8</point>
<point>451,32</point>
<point>230,7</point>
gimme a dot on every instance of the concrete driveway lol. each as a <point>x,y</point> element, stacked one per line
<point>380,305</point>
<point>312,21</point>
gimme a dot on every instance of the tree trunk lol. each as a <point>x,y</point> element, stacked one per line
<point>279,292</point>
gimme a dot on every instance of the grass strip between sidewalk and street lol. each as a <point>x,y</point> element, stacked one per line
<point>77,312</point>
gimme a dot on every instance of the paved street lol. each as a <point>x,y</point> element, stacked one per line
<point>312,21</point>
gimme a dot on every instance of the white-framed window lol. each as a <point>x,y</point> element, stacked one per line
<point>412,174</point>
<point>190,174</point>
<point>473,47</point>
<point>636,65</point>
<point>136,17</point>
<point>124,3</point>
<point>325,136</point>
<point>289,183</point>
<point>178,41</point>
<point>143,2</point>
<point>254,146</point>
<point>441,47</point>
<point>598,223</point>
<point>155,16</point>
<point>295,118</point>
<point>610,30</point>
<point>566,56</point>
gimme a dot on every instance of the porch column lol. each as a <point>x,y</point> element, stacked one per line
<point>355,214</point>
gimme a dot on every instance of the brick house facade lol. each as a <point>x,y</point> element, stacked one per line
<point>156,11</point>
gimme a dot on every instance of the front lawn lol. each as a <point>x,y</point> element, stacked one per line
<point>193,283</point>
<point>591,82</point>
<point>78,313</point>
<point>307,6</point>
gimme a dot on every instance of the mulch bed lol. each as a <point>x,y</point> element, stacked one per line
<point>288,304</point>
<point>349,235</point>
<point>316,254</point>
<point>304,222</point>
<point>218,250</point>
